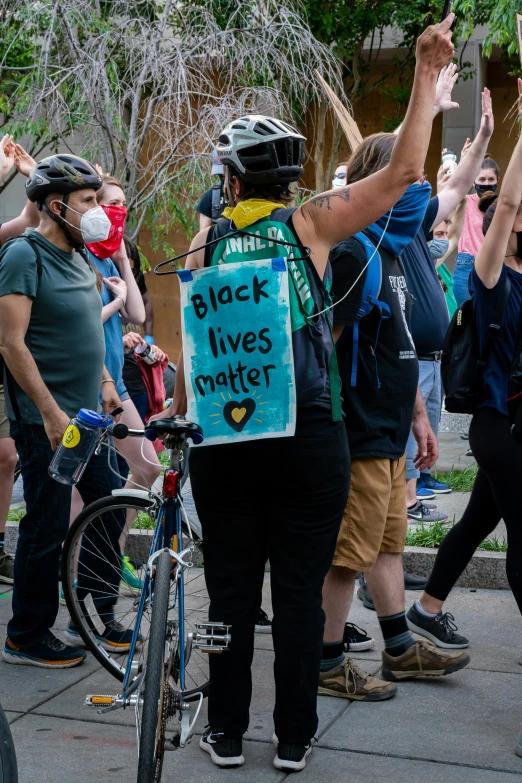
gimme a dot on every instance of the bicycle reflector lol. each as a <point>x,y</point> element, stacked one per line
<point>170,483</point>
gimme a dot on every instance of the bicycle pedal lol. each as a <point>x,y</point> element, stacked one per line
<point>212,637</point>
<point>107,703</point>
<point>93,700</point>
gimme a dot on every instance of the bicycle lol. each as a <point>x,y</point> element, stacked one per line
<point>163,643</point>
<point>8,766</point>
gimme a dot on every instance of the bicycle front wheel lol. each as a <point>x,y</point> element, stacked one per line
<point>152,710</point>
<point>100,591</point>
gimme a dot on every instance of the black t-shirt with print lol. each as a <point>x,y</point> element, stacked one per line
<point>378,419</point>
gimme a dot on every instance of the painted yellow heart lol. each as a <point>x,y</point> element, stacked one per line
<point>238,414</point>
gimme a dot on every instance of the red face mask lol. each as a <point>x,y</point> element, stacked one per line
<point>116,215</point>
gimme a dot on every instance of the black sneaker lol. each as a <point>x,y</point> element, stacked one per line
<point>292,758</point>
<point>413,582</point>
<point>356,639</point>
<point>223,752</point>
<point>115,638</point>
<point>47,652</point>
<point>440,629</point>
<point>363,593</point>
<point>263,624</point>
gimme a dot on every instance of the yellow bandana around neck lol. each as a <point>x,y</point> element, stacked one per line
<point>250,211</point>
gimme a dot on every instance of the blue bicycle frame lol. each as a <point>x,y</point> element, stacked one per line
<point>167,534</point>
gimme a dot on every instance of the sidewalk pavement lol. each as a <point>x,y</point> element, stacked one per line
<point>461,728</point>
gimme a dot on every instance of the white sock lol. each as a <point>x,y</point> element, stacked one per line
<point>418,607</point>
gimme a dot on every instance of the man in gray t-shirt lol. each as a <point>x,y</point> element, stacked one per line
<point>51,340</point>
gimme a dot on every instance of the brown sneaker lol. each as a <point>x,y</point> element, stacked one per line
<point>348,681</point>
<point>422,660</point>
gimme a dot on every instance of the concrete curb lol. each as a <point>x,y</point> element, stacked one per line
<point>137,546</point>
<point>486,571</point>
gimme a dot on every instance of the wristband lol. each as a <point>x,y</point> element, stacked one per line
<point>149,339</point>
<point>109,380</point>
<point>122,299</point>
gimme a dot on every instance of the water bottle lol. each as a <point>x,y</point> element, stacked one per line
<point>449,160</point>
<point>146,353</point>
<point>78,444</point>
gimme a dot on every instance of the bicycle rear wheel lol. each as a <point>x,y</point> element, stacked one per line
<point>94,601</point>
<point>8,766</point>
<point>151,713</point>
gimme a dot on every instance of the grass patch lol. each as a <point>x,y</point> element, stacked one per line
<point>459,480</point>
<point>164,457</point>
<point>144,522</point>
<point>433,535</point>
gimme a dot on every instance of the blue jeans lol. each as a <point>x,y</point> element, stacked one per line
<point>43,530</point>
<point>463,267</point>
<point>431,390</point>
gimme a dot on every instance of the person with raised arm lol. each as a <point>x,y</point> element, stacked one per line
<point>293,521</point>
<point>497,271</point>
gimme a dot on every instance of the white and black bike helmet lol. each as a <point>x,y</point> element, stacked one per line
<point>262,150</point>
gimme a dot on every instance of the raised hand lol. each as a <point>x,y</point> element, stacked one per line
<point>465,148</point>
<point>434,47</point>
<point>445,84</point>
<point>443,175</point>
<point>23,161</point>
<point>6,155</point>
<point>486,123</point>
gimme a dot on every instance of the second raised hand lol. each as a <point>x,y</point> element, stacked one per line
<point>445,84</point>
<point>487,123</point>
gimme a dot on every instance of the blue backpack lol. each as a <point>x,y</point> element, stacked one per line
<point>371,290</point>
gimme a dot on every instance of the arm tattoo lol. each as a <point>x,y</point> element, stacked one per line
<point>324,198</point>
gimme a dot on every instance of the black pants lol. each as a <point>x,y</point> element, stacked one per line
<point>43,530</point>
<point>495,496</point>
<point>282,500</point>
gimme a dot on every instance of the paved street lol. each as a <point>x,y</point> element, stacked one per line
<point>461,728</point>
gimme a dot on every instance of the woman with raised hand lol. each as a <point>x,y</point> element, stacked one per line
<point>283,499</point>
<point>497,271</point>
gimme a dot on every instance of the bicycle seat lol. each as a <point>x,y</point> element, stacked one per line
<point>174,426</point>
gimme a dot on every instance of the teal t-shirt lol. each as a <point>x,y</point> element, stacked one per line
<point>65,332</point>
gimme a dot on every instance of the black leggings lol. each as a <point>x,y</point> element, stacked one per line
<point>495,496</point>
<point>279,499</point>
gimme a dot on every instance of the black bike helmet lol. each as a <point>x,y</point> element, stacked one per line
<point>61,174</point>
<point>263,150</point>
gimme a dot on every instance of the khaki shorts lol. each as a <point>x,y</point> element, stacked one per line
<point>375,517</point>
<point>4,421</point>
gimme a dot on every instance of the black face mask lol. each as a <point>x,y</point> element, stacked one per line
<point>481,189</point>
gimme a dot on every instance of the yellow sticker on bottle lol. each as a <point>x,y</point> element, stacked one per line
<point>71,436</point>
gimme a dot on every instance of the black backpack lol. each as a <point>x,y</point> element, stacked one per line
<point>462,363</point>
<point>10,382</point>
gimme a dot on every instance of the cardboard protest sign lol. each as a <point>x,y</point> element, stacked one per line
<point>237,346</point>
<point>348,124</point>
